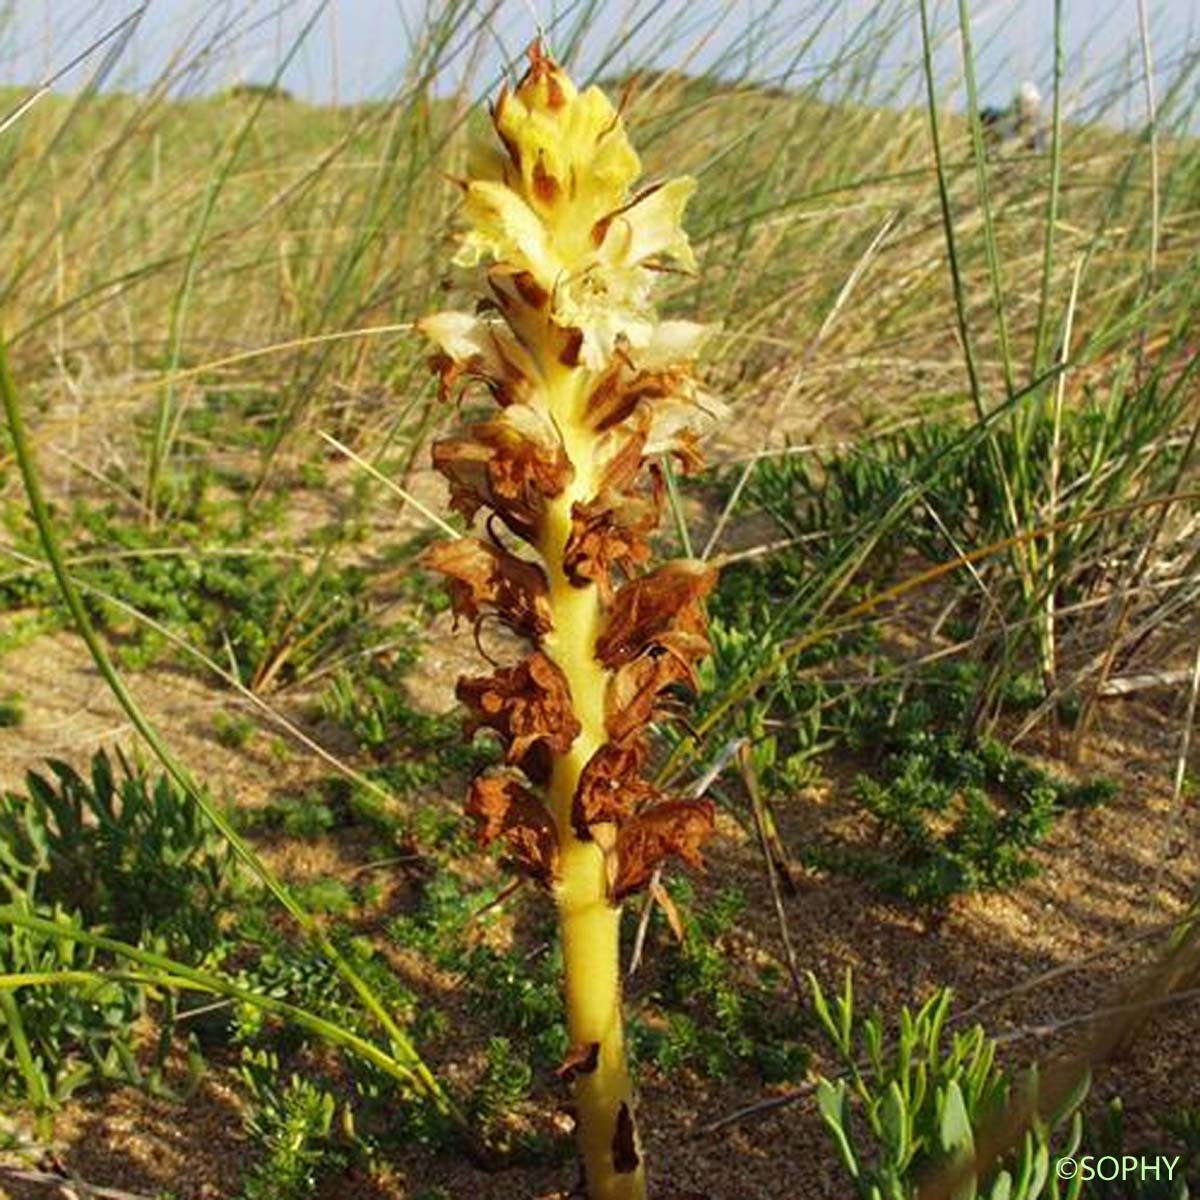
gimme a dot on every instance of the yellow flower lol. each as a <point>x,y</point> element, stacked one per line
<point>574,160</point>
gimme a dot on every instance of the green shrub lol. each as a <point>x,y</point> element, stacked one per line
<point>291,1121</point>
<point>908,1106</point>
<point>411,751</point>
<point>258,612</point>
<point>1177,1137</point>
<point>126,852</point>
<point>946,816</point>
<point>115,851</point>
<point>54,1040</point>
<point>706,1016</point>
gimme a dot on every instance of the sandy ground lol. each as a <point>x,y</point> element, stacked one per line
<point>1096,903</point>
<point>1095,897</point>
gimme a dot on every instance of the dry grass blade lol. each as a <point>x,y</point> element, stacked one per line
<point>758,805</point>
<point>118,33</point>
<point>68,1186</point>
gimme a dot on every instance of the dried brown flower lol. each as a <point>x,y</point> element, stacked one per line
<point>606,536</point>
<point>676,827</point>
<point>527,704</point>
<point>512,464</point>
<point>474,350</point>
<point>611,786</point>
<point>481,574</point>
<point>504,809</point>
<point>632,698</point>
<point>667,600</point>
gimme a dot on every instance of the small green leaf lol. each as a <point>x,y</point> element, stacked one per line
<point>955,1125</point>
<point>831,1101</point>
<point>895,1125</point>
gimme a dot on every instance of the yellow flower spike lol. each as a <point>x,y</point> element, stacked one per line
<point>574,158</point>
<point>505,228</point>
<point>593,389</point>
<point>558,204</point>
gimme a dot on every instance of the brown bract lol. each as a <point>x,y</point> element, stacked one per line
<point>540,86</point>
<point>512,464</point>
<point>527,705</point>
<point>502,378</point>
<point>481,574</point>
<point>580,1060</point>
<point>667,600</point>
<point>663,404</point>
<point>473,349</point>
<point>675,827</point>
<point>611,786</point>
<point>514,290</point>
<point>504,809</point>
<point>620,454</point>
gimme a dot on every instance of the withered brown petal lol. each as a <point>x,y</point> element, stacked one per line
<point>530,290</point>
<point>581,1059</point>
<point>622,389</point>
<point>504,809</point>
<point>475,351</point>
<point>673,827</point>
<point>511,464</point>
<point>666,600</point>
<point>610,401</point>
<point>621,453</point>
<point>663,899</point>
<point>607,535</point>
<point>496,801</point>
<point>611,787</point>
<point>634,688</point>
<point>483,574</point>
<point>664,404</point>
<point>685,450</point>
<point>527,704</point>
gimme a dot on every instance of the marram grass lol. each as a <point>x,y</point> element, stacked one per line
<point>592,391</point>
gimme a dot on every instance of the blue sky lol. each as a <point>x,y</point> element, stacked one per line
<point>358,49</point>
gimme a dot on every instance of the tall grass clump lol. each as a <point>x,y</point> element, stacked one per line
<point>593,392</point>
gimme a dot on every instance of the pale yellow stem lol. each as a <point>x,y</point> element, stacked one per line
<point>589,923</point>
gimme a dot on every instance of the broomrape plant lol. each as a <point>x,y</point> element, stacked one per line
<point>593,390</point>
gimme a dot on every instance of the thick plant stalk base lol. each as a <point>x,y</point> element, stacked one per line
<point>589,921</point>
<point>603,1094</point>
